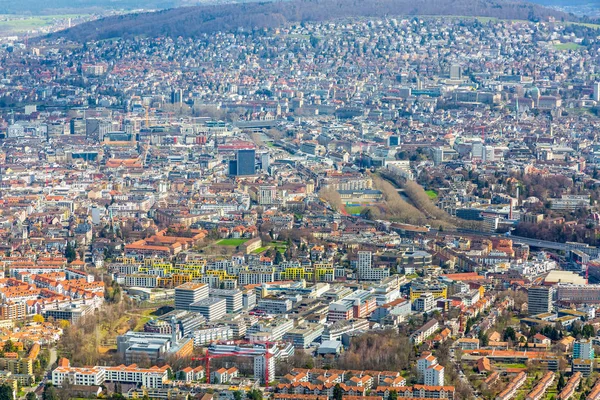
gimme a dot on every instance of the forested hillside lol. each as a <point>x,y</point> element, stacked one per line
<point>192,21</point>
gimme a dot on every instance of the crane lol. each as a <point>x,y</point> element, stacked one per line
<point>207,357</point>
<point>241,353</point>
<point>268,356</point>
<point>482,129</point>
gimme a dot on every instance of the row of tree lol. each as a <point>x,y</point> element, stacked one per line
<point>421,202</point>
<point>396,208</point>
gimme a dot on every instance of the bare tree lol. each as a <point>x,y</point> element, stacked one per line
<point>331,196</point>
<point>396,207</point>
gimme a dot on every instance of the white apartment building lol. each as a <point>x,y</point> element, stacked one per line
<point>255,277</point>
<point>154,377</point>
<point>87,376</point>
<point>260,368</point>
<point>205,336</point>
<point>426,361</point>
<point>211,308</point>
<point>434,375</point>
<point>274,305</point>
<point>141,280</point>
<point>275,328</point>
<point>429,371</point>
<point>365,270</point>
<point>570,202</point>
<point>424,303</point>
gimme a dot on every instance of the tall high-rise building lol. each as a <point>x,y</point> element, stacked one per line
<point>539,299</point>
<point>365,270</point>
<point>434,375</point>
<point>438,155</point>
<point>596,96</point>
<point>176,96</point>
<point>429,371</point>
<point>489,153</point>
<point>96,128</point>
<point>189,293</point>
<point>477,150</point>
<point>77,126</point>
<point>264,367</point>
<point>365,260</point>
<point>233,298</point>
<point>583,350</point>
<point>455,71</point>
<point>265,161</point>
<point>267,194</point>
<point>244,163</point>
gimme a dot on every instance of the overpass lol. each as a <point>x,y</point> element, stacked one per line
<point>542,244</point>
<point>593,252</point>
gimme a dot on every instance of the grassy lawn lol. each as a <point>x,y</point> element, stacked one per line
<point>146,316</point>
<point>11,23</point>
<point>525,389</point>
<point>231,242</point>
<point>412,276</point>
<point>279,246</point>
<point>552,391</point>
<point>593,26</point>
<point>567,46</point>
<point>432,194</point>
<point>514,365</point>
<point>354,210</point>
<point>580,111</point>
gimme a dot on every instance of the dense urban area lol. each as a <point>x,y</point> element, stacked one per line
<point>353,209</point>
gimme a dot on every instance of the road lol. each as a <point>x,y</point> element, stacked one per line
<point>39,389</point>
<point>462,376</point>
<point>542,244</point>
<point>524,240</point>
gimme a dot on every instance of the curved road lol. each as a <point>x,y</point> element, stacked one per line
<point>39,389</point>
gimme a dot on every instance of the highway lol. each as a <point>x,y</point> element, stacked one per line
<point>537,243</point>
<point>545,244</point>
<point>542,244</point>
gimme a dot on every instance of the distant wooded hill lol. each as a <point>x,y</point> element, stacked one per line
<point>53,7</point>
<point>192,21</point>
